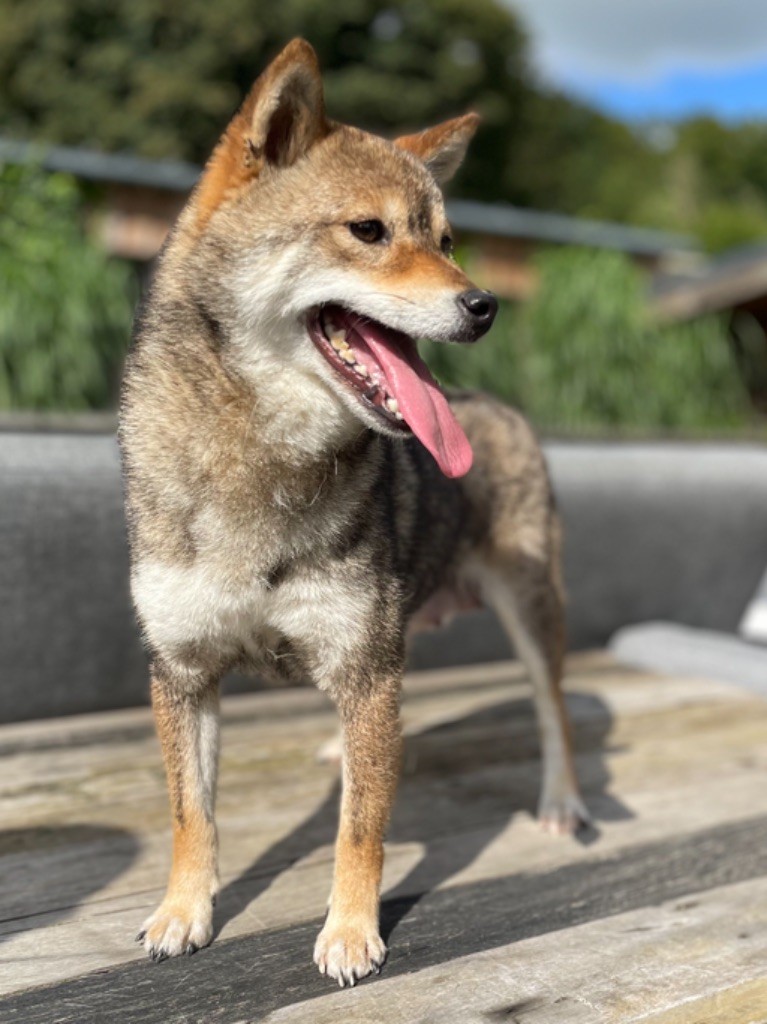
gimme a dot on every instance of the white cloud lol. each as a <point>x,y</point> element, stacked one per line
<point>638,40</point>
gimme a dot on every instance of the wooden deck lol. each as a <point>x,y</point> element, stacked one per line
<point>658,914</point>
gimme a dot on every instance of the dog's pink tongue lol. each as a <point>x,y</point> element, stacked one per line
<point>421,402</point>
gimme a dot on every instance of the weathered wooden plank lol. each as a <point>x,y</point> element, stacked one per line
<point>592,670</point>
<point>487,798</point>
<point>73,939</point>
<point>250,977</point>
<point>287,702</point>
<point>745,1003</point>
<point>81,776</point>
<point>92,858</point>
<point>699,960</point>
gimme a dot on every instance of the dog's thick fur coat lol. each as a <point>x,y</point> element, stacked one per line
<point>279,520</point>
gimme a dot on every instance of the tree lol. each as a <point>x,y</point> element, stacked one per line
<point>163,79</point>
<point>729,198</point>
<point>568,157</point>
<point>65,309</point>
<point>583,356</point>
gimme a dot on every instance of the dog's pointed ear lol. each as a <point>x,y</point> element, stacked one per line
<point>280,120</point>
<point>285,111</point>
<point>443,147</point>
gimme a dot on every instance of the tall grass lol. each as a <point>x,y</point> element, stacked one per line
<point>65,308</point>
<point>584,356</point>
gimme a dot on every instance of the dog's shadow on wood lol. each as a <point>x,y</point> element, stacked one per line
<point>463,781</point>
<point>44,880</point>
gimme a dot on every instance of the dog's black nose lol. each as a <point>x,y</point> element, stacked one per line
<point>482,305</point>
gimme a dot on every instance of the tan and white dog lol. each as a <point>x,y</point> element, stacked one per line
<point>300,491</point>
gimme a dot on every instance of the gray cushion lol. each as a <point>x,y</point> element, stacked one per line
<point>668,647</point>
<point>675,532</point>
<point>660,531</point>
<point>68,641</point>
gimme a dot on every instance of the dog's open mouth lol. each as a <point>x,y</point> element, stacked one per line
<point>384,368</point>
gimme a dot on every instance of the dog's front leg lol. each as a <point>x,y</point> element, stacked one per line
<point>186,716</point>
<point>350,947</point>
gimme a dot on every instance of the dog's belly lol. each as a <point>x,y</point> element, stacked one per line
<point>441,608</point>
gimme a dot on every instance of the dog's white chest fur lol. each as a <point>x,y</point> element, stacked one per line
<point>241,615</point>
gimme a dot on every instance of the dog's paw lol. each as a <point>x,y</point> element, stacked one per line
<point>564,815</point>
<point>349,952</point>
<point>174,929</point>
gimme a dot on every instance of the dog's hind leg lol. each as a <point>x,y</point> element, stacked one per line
<point>526,595</point>
<point>186,717</point>
<point>349,946</point>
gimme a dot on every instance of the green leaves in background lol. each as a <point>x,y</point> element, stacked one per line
<point>65,308</point>
<point>163,79</point>
<point>583,356</point>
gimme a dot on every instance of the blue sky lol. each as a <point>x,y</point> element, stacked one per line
<point>732,94</point>
<point>654,58</point>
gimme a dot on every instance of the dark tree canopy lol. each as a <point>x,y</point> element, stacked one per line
<point>162,77</point>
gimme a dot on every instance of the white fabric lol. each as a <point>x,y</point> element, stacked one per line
<point>753,625</point>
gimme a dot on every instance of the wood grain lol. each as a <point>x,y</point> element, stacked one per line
<point>671,768</point>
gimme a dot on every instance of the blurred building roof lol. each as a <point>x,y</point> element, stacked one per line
<point>737,279</point>
<point>513,221</point>
<point>467,216</point>
<point>116,168</point>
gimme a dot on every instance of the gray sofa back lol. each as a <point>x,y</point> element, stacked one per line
<point>652,532</point>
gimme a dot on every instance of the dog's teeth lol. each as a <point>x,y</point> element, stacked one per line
<point>347,355</point>
<point>338,341</point>
<point>392,405</point>
<point>362,370</point>
<point>399,416</point>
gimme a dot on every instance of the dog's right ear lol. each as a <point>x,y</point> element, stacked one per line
<point>281,119</point>
<point>286,107</point>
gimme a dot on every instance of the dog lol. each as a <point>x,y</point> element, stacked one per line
<point>299,490</point>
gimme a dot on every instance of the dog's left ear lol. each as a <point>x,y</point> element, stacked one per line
<point>443,147</point>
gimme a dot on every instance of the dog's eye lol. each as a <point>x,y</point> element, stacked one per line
<point>368,230</point>
<point>446,245</point>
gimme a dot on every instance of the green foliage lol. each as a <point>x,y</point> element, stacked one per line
<point>732,158</point>
<point>65,309</point>
<point>727,225</point>
<point>580,356</point>
<point>717,179</point>
<point>162,80</point>
<point>595,359</point>
<point>567,157</point>
<point>496,364</point>
<point>583,356</point>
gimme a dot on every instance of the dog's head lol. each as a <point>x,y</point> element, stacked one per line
<point>334,248</point>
